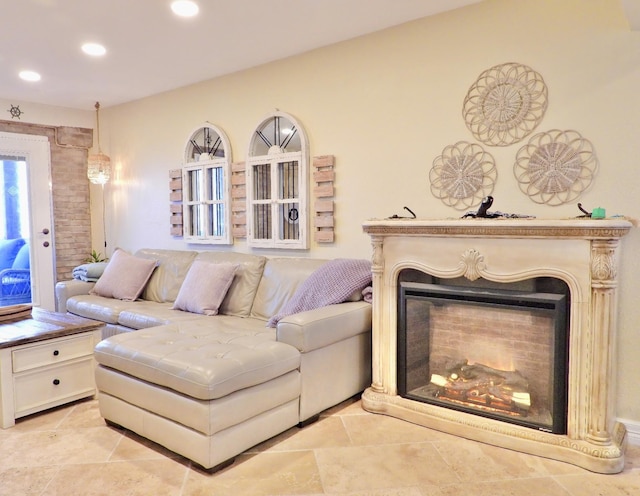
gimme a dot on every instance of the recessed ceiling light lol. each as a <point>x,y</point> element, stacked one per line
<point>29,76</point>
<point>95,49</point>
<point>184,8</point>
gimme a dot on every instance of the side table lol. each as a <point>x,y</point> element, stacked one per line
<point>46,360</point>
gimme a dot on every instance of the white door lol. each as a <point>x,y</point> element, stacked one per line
<point>34,152</point>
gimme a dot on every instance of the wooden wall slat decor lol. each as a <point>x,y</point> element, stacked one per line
<point>238,200</point>
<point>323,192</point>
<point>175,202</point>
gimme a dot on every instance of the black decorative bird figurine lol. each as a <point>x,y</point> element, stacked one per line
<point>482,212</point>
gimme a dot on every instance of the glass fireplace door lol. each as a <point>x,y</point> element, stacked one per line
<point>496,353</point>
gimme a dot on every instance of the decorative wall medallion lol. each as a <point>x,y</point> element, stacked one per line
<point>463,175</point>
<point>505,104</point>
<point>555,167</point>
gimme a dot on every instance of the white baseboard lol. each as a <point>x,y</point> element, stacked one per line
<point>633,431</point>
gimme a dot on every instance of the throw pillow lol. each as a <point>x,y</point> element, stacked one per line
<point>23,259</point>
<point>333,282</point>
<point>124,277</point>
<point>204,287</point>
<point>8,250</point>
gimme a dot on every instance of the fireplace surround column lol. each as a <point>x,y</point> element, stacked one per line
<point>604,274</point>
<point>377,266</point>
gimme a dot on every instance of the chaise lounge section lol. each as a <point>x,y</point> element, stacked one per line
<point>210,387</point>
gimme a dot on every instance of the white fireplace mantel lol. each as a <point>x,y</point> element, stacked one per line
<point>583,253</point>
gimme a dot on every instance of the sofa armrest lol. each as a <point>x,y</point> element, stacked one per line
<point>321,327</point>
<point>67,289</point>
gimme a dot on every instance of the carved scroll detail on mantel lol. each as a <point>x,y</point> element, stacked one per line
<point>377,260</point>
<point>473,264</point>
<point>603,262</point>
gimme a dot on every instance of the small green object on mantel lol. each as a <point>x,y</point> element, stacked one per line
<point>598,213</point>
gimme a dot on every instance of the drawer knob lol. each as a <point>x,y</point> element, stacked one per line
<point>56,382</point>
<point>56,352</point>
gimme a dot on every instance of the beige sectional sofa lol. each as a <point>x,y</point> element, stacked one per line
<point>210,387</point>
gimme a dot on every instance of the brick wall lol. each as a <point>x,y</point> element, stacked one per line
<point>70,189</point>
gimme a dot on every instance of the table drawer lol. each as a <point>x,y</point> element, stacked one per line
<point>52,351</point>
<point>34,391</point>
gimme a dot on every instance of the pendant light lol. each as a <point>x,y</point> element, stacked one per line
<point>99,164</point>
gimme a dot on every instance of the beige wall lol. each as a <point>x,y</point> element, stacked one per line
<point>386,105</point>
<point>47,114</point>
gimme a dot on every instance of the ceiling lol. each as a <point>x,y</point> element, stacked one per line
<point>149,50</point>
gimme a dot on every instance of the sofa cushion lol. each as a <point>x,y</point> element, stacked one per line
<point>145,314</point>
<point>203,358</point>
<point>280,279</point>
<point>98,307</point>
<point>245,283</point>
<point>8,251</point>
<point>334,282</point>
<point>205,287</point>
<point>124,277</point>
<point>166,280</point>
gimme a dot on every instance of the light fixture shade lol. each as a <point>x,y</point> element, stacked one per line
<point>98,164</point>
<point>99,168</point>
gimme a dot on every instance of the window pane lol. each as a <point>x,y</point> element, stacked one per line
<point>288,180</point>
<point>289,221</point>
<point>262,182</point>
<point>262,221</point>
<point>215,184</point>
<point>277,134</point>
<point>193,187</point>
<point>14,199</point>
<point>196,215</point>
<point>216,219</point>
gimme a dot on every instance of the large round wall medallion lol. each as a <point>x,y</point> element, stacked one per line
<point>505,104</point>
<point>555,167</point>
<point>463,175</point>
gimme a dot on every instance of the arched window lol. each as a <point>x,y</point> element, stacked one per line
<point>205,178</point>
<point>277,183</point>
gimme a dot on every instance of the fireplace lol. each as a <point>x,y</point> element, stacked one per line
<point>501,331</point>
<point>498,353</point>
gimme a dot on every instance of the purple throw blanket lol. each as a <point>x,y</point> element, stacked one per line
<point>333,282</point>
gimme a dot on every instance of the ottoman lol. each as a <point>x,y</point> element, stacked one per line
<point>207,389</point>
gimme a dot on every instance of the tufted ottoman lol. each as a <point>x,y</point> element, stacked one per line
<point>207,389</point>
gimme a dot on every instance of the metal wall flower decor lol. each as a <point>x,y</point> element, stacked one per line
<point>505,104</point>
<point>555,167</point>
<point>463,175</point>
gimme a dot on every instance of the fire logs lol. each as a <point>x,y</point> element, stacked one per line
<point>485,387</point>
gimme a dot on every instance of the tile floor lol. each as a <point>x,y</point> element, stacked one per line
<point>70,451</point>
